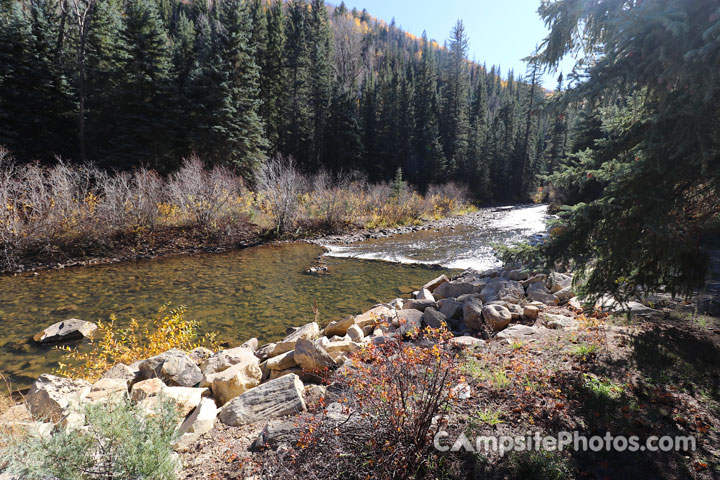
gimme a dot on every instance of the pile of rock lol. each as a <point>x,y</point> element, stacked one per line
<point>254,383</point>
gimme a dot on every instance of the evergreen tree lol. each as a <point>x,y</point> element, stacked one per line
<point>319,55</point>
<point>273,72</point>
<point>455,121</point>
<point>477,168</point>
<point>654,164</point>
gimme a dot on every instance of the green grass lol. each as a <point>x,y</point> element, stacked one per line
<point>603,388</point>
<point>584,351</point>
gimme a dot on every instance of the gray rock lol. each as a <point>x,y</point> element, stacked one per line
<point>558,281</point>
<point>201,421</point>
<point>355,333</point>
<point>381,313</point>
<point>501,289</point>
<point>453,289</point>
<point>531,312</point>
<point>450,307</point>
<point>557,321</point>
<point>283,361</point>
<point>435,282</point>
<point>565,294</point>
<point>419,304</point>
<point>433,319</point>
<point>252,344</point>
<point>534,279</point>
<point>276,398</point>
<point>473,314</point>
<point>545,298</point>
<point>518,275</point>
<point>200,354</point>
<point>276,433</point>
<point>235,380</point>
<point>309,331</point>
<point>108,388</point>
<point>518,332</point>
<point>410,321</point>
<point>425,294</point>
<point>51,397</point>
<point>496,316</point>
<point>311,356</point>
<point>174,367</point>
<point>225,359</point>
<point>263,353</point>
<point>71,329</point>
<point>122,371</point>
<point>339,327</point>
<point>465,342</point>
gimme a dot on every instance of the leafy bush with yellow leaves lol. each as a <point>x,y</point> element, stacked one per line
<point>111,345</point>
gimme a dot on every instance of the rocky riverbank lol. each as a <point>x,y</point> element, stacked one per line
<point>240,405</point>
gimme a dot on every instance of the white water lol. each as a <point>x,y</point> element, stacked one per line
<point>465,246</point>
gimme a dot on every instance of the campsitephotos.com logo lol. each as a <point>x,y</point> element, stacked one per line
<point>502,444</point>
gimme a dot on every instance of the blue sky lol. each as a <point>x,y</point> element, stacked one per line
<point>500,32</point>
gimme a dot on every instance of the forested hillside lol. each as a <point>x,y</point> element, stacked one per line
<point>148,82</point>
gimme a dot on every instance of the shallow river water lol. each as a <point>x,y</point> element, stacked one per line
<point>255,292</point>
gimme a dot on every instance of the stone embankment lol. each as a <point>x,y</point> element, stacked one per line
<point>252,383</point>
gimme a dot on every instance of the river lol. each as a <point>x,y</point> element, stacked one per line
<point>254,292</point>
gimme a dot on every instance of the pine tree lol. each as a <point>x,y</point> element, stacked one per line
<point>273,77</point>
<point>478,169</point>
<point>298,114</point>
<point>455,122</point>
<point>431,159</point>
<point>320,53</point>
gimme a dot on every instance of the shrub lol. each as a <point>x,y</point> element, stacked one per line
<point>281,183</point>
<point>111,345</point>
<point>118,440</point>
<point>540,465</point>
<point>394,395</point>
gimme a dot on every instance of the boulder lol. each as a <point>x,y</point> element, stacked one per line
<point>225,359</point>
<point>397,304</point>
<point>71,329</point>
<point>146,389</point>
<point>263,353</point>
<point>425,294</point>
<point>465,342</point>
<point>108,388</point>
<point>433,319</point>
<point>496,316</point>
<point>252,344</point>
<point>201,421</point>
<point>174,367</point>
<point>518,275</point>
<point>537,287</point>
<point>565,294</point>
<point>410,321</point>
<point>200,354</point>
<point>311,356</point>
<point>518,332</point>
<point>355,333</point>
<point>122,371</point>
<point>558,281</point>
<point>450,307</point>
<point>419,305</point>
<point>276,433</point>
<point>283,361</point>
<point>453,289</point>
<point>435,283</point>
<point>339,327</point>
<point>557,321</point>
<point>534,279</point>
<point>309,331</point>
<point>281,373</point>
<point>501,289</point>
<point>51,397</point>
<point>344,346</point>
<point>276,398</point>
<point>531,312</point>
<point>186,398</point>
<point>473,314</point>
<point>515,310</point>
<point>377,314</point>
<point>235,381</point>
<point>545,298</point>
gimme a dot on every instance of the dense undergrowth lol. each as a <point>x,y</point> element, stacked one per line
<point>61,213</point>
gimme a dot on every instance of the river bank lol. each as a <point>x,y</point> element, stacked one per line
<point>521,356</point>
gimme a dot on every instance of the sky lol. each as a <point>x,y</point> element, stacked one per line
<point>500,32</point>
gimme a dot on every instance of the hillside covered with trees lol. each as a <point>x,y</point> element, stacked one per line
<point>134,83</point>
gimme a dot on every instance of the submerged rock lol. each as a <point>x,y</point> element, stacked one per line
<point>71,329</point>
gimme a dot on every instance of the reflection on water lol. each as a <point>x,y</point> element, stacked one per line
<point>256,292</point>
<point>467,246</point>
